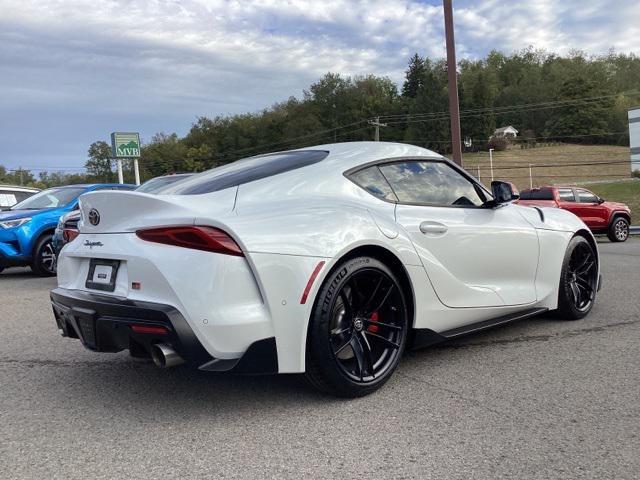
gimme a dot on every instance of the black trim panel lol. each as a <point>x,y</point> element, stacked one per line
<point>102,323</point>
<point>260,358</point>
<point>111,316</point>
<point>425,337</point>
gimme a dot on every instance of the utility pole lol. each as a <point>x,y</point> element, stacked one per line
<point>376,123</point>
<point>491,162</point>
<point>454,108</point>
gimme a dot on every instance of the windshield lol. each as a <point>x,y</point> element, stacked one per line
<point>51,198</point>
<point>157,183</point>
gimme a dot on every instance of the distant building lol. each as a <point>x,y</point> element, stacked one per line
<point>634,137</point>
<point>505,132</point>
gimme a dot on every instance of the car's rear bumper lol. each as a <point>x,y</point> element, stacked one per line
<point>104,324</point>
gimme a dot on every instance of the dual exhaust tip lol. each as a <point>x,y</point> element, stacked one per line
<point>164,356</point>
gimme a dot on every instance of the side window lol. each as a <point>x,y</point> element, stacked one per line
<point>8,199</point>
<point>566,195</point>
<point>373,182</point>
<point>430,183</point>
<point>586,196</point>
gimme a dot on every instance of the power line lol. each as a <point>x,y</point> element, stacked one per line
<point>498,109</point>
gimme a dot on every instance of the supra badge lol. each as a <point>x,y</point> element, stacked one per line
<point>89,244</point>
<point>94,217</point>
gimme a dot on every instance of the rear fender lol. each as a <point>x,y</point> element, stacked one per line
<point>284,251</point>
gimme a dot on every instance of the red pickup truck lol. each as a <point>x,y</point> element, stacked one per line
<point>600,216</point>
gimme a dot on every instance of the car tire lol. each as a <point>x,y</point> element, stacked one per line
<point>358,329</point>
<point>618,230</point>
<point>578,280</point>
<point>43,263</point>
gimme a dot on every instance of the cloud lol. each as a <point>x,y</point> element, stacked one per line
<point>75,70</point>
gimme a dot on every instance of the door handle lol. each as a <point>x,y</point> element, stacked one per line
<point>433,228</point>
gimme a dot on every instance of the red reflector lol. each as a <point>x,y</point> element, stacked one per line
<point>208,239</point>
<point>149,329</point>
<point>312,279</point>
<point>69,234</point>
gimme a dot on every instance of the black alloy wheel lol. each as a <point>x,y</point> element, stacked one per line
<point>579,280</point>
<point>44,258</point>
<point>358,329</point>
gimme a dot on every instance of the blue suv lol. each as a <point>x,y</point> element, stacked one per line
<point>27,228</point>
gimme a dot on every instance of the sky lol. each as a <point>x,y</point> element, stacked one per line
<point>72,71</point>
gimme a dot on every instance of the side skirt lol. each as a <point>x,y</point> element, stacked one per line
<point>425,337</point>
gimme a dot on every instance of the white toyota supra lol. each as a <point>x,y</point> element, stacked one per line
<point>328,260</point>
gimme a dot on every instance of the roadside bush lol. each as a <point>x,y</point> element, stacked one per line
<point>499,144</point>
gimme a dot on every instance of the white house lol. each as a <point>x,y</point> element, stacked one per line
<point>634,137</point>
<point>505,132</point>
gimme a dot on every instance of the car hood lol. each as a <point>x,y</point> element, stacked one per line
<point>16,214</point>
<point>616,205</point>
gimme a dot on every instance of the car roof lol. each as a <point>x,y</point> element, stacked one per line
<point>96,185</point>
<point>348,155</point>
<point>19,188</point>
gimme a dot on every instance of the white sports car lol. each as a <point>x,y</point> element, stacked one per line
<point>329,260</point>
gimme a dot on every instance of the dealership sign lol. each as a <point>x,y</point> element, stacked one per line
<point>125,144</point>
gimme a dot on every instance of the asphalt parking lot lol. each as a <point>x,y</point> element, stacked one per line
<point>541,398</point>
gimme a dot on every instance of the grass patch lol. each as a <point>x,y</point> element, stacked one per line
<point>570,164</point>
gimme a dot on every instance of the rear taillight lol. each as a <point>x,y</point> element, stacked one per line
<point>208,239</point>
<point>69,234</point>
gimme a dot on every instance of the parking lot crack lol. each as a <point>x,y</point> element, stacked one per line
<point>455,393</point>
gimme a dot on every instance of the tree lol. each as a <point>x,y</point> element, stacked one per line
<point>99,163</point>
<point>583,121</point>
<point>164,154</point>
<point>414,77</point>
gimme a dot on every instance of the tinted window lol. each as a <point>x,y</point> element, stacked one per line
<point>245,171</point>
<point>586,196</point>
<point>566,195</point>
<point>537,194</point>
<point>432,183</point>
<point>51,198</point>
<point>374,182</point>
<point>23,195</point>
<point>155,184</point>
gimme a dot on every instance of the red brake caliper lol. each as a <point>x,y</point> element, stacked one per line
<point>374,318</point>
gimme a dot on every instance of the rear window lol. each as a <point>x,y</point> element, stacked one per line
<point>537,194</point>
<point>245,171</point>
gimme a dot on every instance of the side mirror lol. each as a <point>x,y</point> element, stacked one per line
<point>601,201</point>
<point>504,192</point>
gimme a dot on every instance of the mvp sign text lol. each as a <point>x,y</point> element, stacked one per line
<point>125,144</point>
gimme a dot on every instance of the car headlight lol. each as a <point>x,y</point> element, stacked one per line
<point>15,223</point>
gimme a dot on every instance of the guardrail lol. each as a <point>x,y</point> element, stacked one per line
<point>634,229</point>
